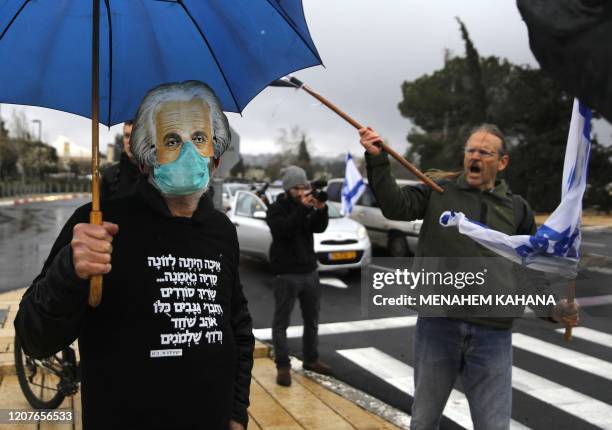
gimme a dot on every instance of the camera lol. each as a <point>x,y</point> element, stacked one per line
<point>317,190</point>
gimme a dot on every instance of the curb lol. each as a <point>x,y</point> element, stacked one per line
<point>18,201</point>
<point>363,400</point>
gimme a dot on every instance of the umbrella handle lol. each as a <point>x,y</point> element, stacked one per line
<point>95,282</point>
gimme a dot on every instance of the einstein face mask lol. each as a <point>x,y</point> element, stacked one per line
<point>184,147</point>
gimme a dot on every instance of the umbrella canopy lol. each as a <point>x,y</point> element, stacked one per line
<point>235,46</point>
<point>98,58</point>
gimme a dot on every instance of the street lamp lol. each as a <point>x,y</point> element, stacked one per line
<point>39,145</point>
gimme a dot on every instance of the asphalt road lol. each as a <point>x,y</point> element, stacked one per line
<point>597,242</point>
<point>555,384</point>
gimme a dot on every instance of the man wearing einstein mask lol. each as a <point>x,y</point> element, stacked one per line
<point>171,344</point>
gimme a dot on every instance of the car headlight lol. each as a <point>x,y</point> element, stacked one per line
<point>362,233</point>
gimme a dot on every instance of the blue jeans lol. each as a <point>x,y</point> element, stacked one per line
<point>445,349</point>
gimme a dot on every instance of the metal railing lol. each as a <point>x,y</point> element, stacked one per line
<point>21,189</point>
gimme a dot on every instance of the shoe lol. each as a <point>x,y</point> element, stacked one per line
<point>283,376</point>
<point>318,367</point>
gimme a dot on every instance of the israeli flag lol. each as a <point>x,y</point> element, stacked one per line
<point>555,246</point>
<point>353,186</point>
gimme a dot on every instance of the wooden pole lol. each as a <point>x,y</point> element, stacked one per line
<point>571,296</point>
<point>408,165</point>
<point>95,216</point>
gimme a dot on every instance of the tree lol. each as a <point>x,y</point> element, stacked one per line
<point>273,168</point>
<point>294,144</point>
<point>21,154</point>
<point>474,82</point>
<point>238,169</point>
<point>525,103</point>
<point>303,158</point>
<point>599,190</point>
<point>9,156</point>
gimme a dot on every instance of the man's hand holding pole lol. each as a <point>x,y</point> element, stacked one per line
<point>370,140</point>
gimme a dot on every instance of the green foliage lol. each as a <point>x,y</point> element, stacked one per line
<point>21,156</point>
<point>294,150</point>
<point>599,191</point>
<point>527,105</point>
<point>303,158</point>
<point>9,156</point>
<point>238,169</point>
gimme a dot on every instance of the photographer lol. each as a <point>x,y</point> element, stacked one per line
<point>293,218</point>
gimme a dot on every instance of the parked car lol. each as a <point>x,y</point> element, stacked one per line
<point>229,191</point>
<point>343,245</point>
<point>399,237</point>
<point>273,192</point>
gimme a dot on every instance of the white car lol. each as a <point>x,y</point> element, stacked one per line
<point>343,245</point>
<point>399,237</point>
<point>229,191</point>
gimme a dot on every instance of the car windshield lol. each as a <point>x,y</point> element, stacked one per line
<point>333,212</point>
<point>236,187</point>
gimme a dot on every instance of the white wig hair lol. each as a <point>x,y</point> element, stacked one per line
<point>142,141</point>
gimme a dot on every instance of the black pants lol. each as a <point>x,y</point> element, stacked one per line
<point>288,287</point>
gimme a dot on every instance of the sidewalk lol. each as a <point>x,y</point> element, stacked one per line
<point>36,198</point>
<point>306,405</point>
<point>588,220</point>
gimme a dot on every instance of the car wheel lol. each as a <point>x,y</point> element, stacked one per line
<point>398,246</point>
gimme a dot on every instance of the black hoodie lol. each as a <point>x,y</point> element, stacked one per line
<point>119,179</point>
<point>171,344</point>
<point>292,226</point>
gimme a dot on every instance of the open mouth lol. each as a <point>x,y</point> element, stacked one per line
<point>474,168</point>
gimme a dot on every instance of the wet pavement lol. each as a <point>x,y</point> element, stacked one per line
<point>579,372</point>
<point>27,233</point>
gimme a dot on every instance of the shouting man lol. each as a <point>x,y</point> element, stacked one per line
<point>476,349</point>
<point>171,344</point>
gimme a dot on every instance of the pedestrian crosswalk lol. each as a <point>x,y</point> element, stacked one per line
<point>590,335</point>
<point>401,376</point>
<point>569,357</point>
<point>579,402</point>
<point>344,327</point>
<point>570,401</point>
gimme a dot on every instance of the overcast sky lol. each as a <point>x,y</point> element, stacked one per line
<point>369,48</point>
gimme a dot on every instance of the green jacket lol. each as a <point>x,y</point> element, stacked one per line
<point>495,208</point>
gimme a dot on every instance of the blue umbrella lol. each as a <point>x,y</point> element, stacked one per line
<point>237,47</point>
<point>55,53</point>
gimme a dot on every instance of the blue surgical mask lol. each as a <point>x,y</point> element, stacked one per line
<point>185,175</point>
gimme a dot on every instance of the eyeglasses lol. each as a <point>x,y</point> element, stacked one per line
<point>482,152</point>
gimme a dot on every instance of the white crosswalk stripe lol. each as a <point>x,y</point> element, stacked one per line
<point>570,401</point>
<point>343,327</point>
<point>588,334</point>
<point>401,376</point>
<point>563,355</point>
